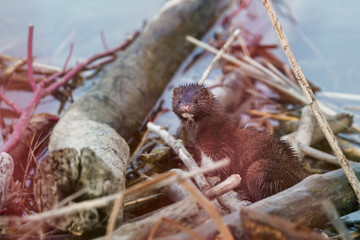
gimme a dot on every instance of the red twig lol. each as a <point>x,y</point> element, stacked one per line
<point>81,66</point>
<point>24,119</point>
<point>54,76</point>
<point>40,90</point>
<point>11,104</point>
<point>99,64</point>
<point>30,58</point>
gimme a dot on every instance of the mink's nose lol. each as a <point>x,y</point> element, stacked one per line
<point>185,108</point>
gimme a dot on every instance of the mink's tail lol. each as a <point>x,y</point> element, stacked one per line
<point>266,178</point>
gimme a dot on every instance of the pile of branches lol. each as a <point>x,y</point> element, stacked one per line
<point>204,208</point>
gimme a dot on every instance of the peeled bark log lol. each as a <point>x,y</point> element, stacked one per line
<point>129,90</point>
<point>121,101</point>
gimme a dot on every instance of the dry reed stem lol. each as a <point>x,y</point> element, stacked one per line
<point>219,55</point>
<point>315,153</point>
<point>174,224</point>
<point>256,72</point>
<point>277,116</point>
<point>311,99</point>
<point>210,208</point>
<point>44,68</point>
<point>113,215</point>
<point>10,70</point>
<point>334,218</point>
<point>141,143</point>
<point>71,197</point>
<point>243,46</point>
<point>140,200</point>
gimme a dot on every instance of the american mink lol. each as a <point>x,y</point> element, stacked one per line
<point>266,164</point>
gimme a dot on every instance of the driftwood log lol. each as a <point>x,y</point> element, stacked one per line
<point>301,202</point>
<point>120,101</point>
<point>180,211</point>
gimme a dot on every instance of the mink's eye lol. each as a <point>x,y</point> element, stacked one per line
<point>195,101</point>
<point>179,101</point>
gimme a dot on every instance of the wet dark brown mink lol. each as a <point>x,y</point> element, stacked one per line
<point>266,164</point>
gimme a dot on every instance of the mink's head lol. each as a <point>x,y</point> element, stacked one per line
<point>192,102</point>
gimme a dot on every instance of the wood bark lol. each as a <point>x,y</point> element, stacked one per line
<point>120,101</point>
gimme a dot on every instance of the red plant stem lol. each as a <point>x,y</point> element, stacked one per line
<point>68,57</point>
<point>82,65</point>
<point>40,91</point>
<point>99,64</point>
<point>11,104</point>
<point>23,120</point>
<point>30,58</point>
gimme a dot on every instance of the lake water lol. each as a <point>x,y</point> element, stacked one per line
<point>324,38</point>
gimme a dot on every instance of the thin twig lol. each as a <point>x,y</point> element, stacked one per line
<point>218,56</point>
<point>243,46</point>
<point>143,199</point>
<point>71,197</point>
<point>311,99</point>
<point>141,143</point>
<point>113,215</point>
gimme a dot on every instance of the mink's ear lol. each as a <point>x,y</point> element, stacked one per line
<point>205,92</point>
<point>175,91</point>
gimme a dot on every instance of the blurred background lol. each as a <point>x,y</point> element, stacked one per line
<point>324,35</point>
